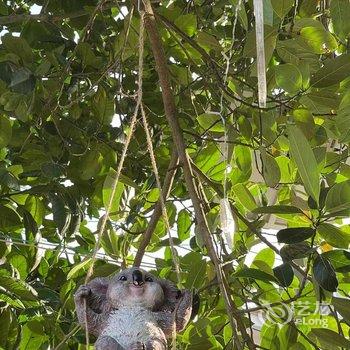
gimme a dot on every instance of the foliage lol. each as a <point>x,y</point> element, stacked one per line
<point>67,85</point>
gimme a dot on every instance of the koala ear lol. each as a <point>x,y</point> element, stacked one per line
<point>171,295</point>
<point>98,301</point>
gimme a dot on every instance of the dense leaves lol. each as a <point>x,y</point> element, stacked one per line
<point>68,79</point>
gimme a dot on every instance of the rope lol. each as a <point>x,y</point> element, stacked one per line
<point>164,212</point>
<point>161,198</point>
<point>119,169</point>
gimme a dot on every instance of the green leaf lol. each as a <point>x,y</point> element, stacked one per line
<point>187,23</point>
<point>288,78</point>
<point>61,213</point>
<point>110,242</point>
<point>305,121</point>
<point>244,196</point>
<point>23,82</point>
<point>278,209</point>
<point>318,39</point>
<point>31,340</point>
<point>208,158</point>
<point>103,106</point>
<point>152,198</point>
<point>340,260</point>
<point>127,181</point>
<point>52,170</point>
<point>305,161</point>
<point>10,100</point>
<point>333,72</point>
<point>3,9</point>
<point>242,14</point>
<point>9,218</point>
<point>107,191</point>
<point>288,336</point>
<point>14,302</point>
<point>5,131</point>
<point>338,197</point>
<point>339,13</point>
<point>184,223</point>
<point>36,208</point>
<point>342,306</point>
<point>296,51</point>
<point>333,235</point>
<point>241,164</point>
<point>86,54</point>
<point>282,7</point>
<point>18,46</point>
<point>271,170</point>
<point>267,13</point>
<point>324,274</point>
<point>294,234</point>
<point>342,119</point>
<point>211,122</point>
<point>269,336</point>
<point>5,322</point>
<point>330,338</point>
<point>255,274</point>
<point>270,35</point>
<point>295,251</point>
<point>9,328</point>
<point>284,273</point>
<point>83,265</point>
<point>208,42</point>
<point>195,265</point>
<point>264,260</point>
<point>19,262</point>
<point>17,287</point>
<point>90,164</point>
<point>319,101</point>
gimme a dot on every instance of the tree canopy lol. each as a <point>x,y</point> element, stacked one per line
<point>70,79</point>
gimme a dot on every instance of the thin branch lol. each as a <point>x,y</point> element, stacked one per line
<point>43,17</point>
<point>67,337</point>
<point>171,115</point>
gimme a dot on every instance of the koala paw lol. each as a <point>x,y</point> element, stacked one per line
<point>82,292</point>
<point>137,346</point>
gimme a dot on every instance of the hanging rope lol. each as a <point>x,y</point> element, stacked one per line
<point>161,199</point>
<point>120,167</point>
<point>164,212</point>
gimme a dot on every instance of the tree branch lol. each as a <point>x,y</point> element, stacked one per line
<point>218,71</point>
<point>170,113</point>
<point>157,212</point>
<point>219,190</point>
<point>16,18</point>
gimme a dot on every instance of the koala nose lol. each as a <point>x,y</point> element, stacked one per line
<point>137,277</point>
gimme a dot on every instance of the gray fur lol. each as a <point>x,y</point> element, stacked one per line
<point>134,314</point>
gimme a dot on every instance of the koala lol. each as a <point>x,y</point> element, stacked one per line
<point>132,310</point>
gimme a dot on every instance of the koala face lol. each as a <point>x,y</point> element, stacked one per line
<point>135,287</point>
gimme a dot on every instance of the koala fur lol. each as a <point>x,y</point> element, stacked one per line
<point>132,310</point>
